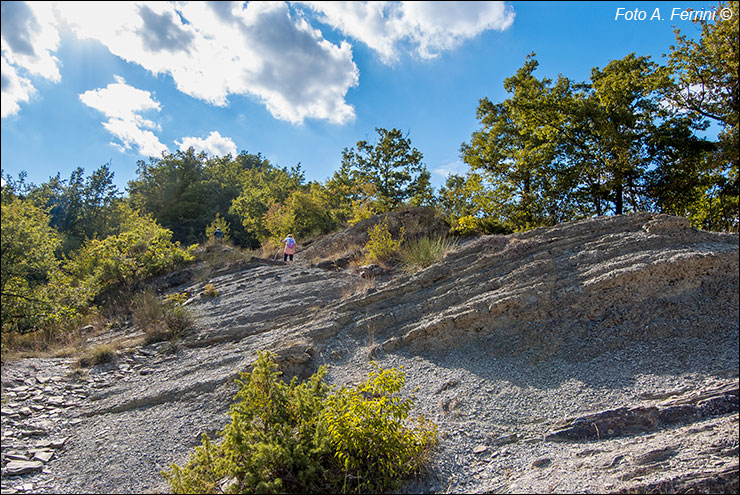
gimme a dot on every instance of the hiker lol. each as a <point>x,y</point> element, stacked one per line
<point>218,234</point>
<point>289,248</point>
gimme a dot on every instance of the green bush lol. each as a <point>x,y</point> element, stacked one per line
<point>423,252</point>
<point>209,291</point>
<point>310,438</point>
<point>470,224</point>
<point>381,246</point>
<point>141,250</point>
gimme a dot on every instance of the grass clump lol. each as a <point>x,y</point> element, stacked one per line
<point>310,437</point>
<point>425,251</point>
<point>160,320</point>
<point>100,354</point>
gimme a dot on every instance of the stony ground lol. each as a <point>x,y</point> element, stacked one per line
<point>597,356</point>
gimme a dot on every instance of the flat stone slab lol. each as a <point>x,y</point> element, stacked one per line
<point>43,456</point>
<point>15,468</point>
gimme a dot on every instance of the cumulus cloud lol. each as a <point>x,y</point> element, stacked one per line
<point>268,51</point>
<point>213,50</point>
<point>429,27</point>
<point>29,37</point>
<point>16,89</point>
<point>163,32</point>
<point>123,105</point>
<point>215,144</point>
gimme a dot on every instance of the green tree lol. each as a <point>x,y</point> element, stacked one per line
<point>705,76</point>
<point>79,208</point>
<point>142,249</point>
<point>171,189</point>
<point>265,187</point>
<point>224,179</point>
<point>678,182</point>
<point>469,205</point>
<point>305,213</point>
<point>101,196</point>
<point>627,94</point>
<point>27,253</point>
<point>559,150</point>
<point>516,149</point>
<point>421,191</point>
<point>341,192</point>
<point>391,166</point>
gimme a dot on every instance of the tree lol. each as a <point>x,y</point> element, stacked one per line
<point>223,181</point>
<point>100,199</point>
<point>341,192</point>
<point>627,106</point>
<point>705,77</point>
<point>392,168</point>
<point>305,213</point>
<point>142,249</point>
<point>421,191</point>
<point>79,208</point>
<point>557,151</point>
<point>517,146</point>
<point>466,200</point>
<point>27,253</point>
<point>264,187</point>
<point>171,189</point>
<point>678,181</point>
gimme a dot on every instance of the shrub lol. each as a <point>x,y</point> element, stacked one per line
<point>425,251</point>
<point>486,225</point>
<point>309,437</point>
<point>141,250</point>
<point>209,291</point>
<point>381,246</point>
<point>177,298</point>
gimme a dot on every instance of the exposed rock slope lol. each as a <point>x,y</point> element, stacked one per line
<point>596,356</point>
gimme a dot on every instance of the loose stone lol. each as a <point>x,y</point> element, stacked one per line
<point>15,468</point>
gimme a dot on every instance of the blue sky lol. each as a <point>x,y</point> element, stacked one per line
<point>89,83</point>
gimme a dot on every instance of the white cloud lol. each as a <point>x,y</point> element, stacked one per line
<point>215,144</point>
<point>430,27</point>
<point>122,105</point>
<point>16,90</point>
<point>263,50</point>
<point>456,167</point>
<point>377,24</point>
<point>29,37</point>
<point>214,49</point>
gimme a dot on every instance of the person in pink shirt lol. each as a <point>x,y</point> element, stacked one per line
<point>289,249</point>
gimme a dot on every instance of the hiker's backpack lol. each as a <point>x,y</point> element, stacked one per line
<point>290,242</point>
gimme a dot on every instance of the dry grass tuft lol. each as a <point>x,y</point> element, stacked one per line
<point>362,286</point>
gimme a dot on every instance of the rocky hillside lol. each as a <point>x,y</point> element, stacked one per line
<point>595,356</point>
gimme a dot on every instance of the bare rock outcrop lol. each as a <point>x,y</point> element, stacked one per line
<point>578,289</point>
<point>595,356</point>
